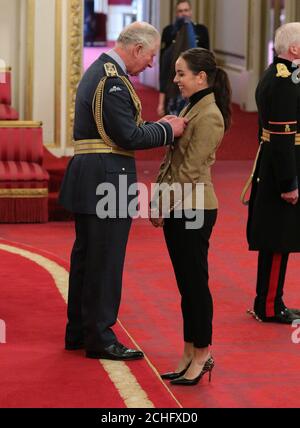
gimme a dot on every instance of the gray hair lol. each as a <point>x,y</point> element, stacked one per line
<point>139,33</point>
<point>286,36</point>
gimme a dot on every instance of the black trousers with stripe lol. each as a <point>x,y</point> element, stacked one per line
<point>270,282</point>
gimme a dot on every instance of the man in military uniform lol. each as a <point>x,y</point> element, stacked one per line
<point>274,208</point>
<point>183,34</point>
<point>108,128</point>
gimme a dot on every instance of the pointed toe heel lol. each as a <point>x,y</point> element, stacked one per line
<point>207,368</point>
<point>174,375</point>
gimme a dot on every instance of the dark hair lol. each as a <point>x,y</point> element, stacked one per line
<point>183,1</point>
<point>198,60</point>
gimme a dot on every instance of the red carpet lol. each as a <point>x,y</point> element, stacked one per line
<point>35,370</point>
<point>256,364</point>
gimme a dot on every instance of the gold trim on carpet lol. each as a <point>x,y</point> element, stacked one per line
<point>150,365</point>
<point>23,193</point>
<point>120,374</point>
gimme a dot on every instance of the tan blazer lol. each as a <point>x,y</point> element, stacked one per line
<point>191,159</point>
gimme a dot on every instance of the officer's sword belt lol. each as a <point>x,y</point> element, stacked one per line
<point>266,136</point>
<point>82,147</point>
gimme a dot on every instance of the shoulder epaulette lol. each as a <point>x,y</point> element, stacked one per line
<point>110,70</point>
<point>282,71</point>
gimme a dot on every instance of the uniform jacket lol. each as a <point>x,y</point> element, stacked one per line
<point>190,160</point>
<point>86,171</point>
<point>273,224</point>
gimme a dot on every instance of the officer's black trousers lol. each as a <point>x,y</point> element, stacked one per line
<point>270,282</point>
<point>97,262</point>
<point>188,250</point>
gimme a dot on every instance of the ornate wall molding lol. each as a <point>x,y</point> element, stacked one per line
<point>30,29</point>
<point>209,19</point>
<point>58,73</point>
<point>74,50</point>
<point>292,10</point>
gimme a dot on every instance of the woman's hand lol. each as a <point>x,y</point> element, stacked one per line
<point>157,222</point>
<point>155,219</point>
<point>291,197</point>
<point>161,110</point>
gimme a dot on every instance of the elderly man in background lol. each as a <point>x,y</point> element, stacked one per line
<point>274,209</point>
<point>178,37</point>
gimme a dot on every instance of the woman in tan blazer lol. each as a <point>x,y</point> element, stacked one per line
<point>189,162</point>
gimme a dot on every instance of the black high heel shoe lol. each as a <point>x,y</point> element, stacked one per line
<point>174,375</point>
<point>207,368</point>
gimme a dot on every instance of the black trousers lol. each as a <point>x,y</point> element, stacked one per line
<point>95,282</point>
<point>271,273</point>
<point>188,250</point>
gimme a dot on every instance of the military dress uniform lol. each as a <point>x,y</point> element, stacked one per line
<point>108,128</point>
<point>273,224</point>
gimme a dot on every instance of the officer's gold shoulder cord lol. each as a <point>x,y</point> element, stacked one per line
<point>98,107</point>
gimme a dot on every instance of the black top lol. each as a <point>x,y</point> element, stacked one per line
<point>195,98</point>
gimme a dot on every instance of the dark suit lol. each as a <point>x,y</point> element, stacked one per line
<point>273,224</point>
<point>99,250</point>
<point>167,40</point>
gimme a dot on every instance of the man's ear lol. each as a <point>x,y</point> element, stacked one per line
<point>293,50</point>
<point>137,49</point>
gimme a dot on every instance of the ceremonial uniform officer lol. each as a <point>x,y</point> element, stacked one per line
<point>174,41</point>
<point>274,210</point>
<point>108,128</point>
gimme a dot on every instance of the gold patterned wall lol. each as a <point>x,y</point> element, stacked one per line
<point>67,62</point>
<point>75,48</point>
<point>30,28</point>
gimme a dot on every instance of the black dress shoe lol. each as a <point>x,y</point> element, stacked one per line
<point>294,311</point>
<point>284,317</point>
<point>74,346</point>
<point>117,352</point>
<point>207,368</point>
<point>174,375</point>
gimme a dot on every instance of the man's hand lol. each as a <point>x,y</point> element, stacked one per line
<point>178,125</point>
<point>291,197</point>
<point>167,118</point>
